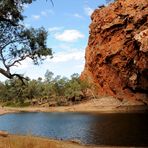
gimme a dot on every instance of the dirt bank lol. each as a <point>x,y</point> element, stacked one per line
<point>104,104</point>
<point>15,141</point>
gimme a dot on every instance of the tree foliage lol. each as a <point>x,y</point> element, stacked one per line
<point>61,90</point>
<point>17,42</point>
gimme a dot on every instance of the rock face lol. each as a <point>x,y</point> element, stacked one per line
<point>117,52</point>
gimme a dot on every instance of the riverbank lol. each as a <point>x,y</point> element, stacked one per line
<point>17,141</point>
<point>102,105</point>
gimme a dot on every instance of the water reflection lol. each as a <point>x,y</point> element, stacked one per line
<point>120,129</point>
<point>98,129</point>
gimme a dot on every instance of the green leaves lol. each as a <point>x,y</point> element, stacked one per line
<point>35,41</point>
<point>17,42</point>
<point>59,89</point>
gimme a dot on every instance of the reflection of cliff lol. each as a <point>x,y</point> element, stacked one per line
<point>118,130</point>
<point>117,51</point>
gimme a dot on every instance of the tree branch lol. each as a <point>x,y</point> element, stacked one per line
<point>2,19</point>
<point>4,61</point>
<point>11,43</point>
<point>11,76</point>
<point>20,77</point>
<point>18,61</point>
<point>5,73</point>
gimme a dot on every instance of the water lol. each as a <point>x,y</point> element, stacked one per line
<point>98,129</point>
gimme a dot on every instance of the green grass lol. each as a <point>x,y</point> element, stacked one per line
<point>14,104</point>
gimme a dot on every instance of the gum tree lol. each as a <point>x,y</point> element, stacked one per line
<point>17,42</point>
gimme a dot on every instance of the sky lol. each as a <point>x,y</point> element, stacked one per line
<point>67,23</point>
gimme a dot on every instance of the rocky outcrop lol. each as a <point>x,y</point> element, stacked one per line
<point>117,51</point>
<point>3,134</point>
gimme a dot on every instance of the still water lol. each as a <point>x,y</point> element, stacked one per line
<point>130,129</point>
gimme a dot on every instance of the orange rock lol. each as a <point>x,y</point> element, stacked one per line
<point>116,58</point>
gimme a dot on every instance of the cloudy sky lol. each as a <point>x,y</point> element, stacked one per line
<point>68,25</point>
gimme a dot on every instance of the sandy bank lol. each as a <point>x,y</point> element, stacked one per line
<point>15,141</point>
<point>5,110</point>
<point>105,105</point>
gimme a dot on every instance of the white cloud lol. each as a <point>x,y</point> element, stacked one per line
<point>23,64</point>
<point>44,13</point>
<point>80,66</point>
<point>77,15</point>
<point>54,29</point>
<point>88,10</point>
<point>50,11</point>
<point>63,63</point>
<point>67,56</point>
<point>69,35</point>
<point>59,57</point>
<point>36,17</point>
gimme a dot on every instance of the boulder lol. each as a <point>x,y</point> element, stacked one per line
<point>3,134</point>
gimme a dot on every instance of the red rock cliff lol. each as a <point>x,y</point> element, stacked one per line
<point>117,51</point>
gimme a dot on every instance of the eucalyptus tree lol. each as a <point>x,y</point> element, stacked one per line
<point>18,42</point>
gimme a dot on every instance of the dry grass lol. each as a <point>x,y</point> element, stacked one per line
<point>13,141</point>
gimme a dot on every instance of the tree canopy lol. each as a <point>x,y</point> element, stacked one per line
<point>18,42</point>
<point>57,89</point>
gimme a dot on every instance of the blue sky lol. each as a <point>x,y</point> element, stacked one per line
<point>68,26</point>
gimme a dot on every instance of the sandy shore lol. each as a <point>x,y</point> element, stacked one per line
<point>105,105</point>
<point>4,110</point>
<point>17,141</point>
